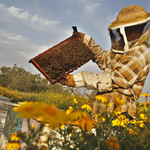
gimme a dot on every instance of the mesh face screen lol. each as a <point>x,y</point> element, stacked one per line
<point>117,39</point>
<point>133,33</point>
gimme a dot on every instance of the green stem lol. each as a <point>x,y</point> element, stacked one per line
<point>99,144</point>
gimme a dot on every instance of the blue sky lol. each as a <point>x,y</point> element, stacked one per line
<point>29,27</point>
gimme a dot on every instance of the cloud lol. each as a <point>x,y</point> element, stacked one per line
<point>90,8</point>
<point>42,22</point>
<point>18,12</point>
<point>112,17</point>
<point>2,6</point>
<point>18,44</point>
<point>34,21</point>
<point>6,38</point>
<point>16,49</point>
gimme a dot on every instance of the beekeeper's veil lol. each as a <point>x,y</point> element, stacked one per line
<point>131,28</point>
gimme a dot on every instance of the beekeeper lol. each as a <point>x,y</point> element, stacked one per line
<point>125,66</point>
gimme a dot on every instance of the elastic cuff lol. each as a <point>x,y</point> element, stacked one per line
<point>78,79</point>
<point>86,39</point>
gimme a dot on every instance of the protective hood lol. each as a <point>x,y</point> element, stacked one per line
<point>131,28</point>
<point>124,38</point>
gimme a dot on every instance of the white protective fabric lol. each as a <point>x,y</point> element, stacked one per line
<point>100,81</point>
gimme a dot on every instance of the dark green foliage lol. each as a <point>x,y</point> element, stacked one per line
<point>17,78</point>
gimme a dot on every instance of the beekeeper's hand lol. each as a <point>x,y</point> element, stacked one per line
<point>67,80</point>
<point>79,34</point>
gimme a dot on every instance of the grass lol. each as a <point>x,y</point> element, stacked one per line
<point>61,101</point>
<point>125,135</point>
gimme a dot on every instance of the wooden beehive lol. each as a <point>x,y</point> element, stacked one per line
<point>64,57</point>
<point>4,104</point>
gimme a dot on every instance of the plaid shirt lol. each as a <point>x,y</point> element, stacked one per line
<point>128,72</point>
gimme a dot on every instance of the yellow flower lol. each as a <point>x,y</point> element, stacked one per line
<point>113,142</point>
<point>133,122</point>
<point>132,132</point>
<point>53,123</point>
<point>117,112</point>
<point>86,106</point>
<point>145,94</point>
<point>75,101</point>
<point>122,117</point>
<point>49,111</point>
<point>41,112</point>
<point>119,102</point>
<point>54,116</point>
<point>32,127</point>
<point>120,121</point>
<point>141,124</point>
<point>149,121</point>
<point>77,115</point>
<point>13,145</point>
<point>95,116</point>
<point>115,122</point>
<point>142,116</point>
<point>147,103</point>
<point>102,119</point>
<point>147,134</point>
<point>14,137</point>
<point>109,104</point>
<point>86,123</point>
<point>71,108</point>
<point>101,98</point>
<point>62,126</point>
<point>69,111</point>
<point>25,110</point>
<point>118,109</point>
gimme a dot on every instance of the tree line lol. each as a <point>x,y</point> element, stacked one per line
<point>17,78</point>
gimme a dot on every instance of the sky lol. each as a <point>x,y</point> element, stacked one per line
<point>30,27</point>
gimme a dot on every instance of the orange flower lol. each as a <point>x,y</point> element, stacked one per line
<point>113,142</point>
<point>147,103</point>
<point>132,132</point>
<point>50,111</point>
<point>86,123</point>
<point>77,115</point>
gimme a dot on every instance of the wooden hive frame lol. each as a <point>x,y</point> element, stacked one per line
<point>34,60</point>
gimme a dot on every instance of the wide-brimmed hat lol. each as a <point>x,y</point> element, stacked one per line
<point>129,15</point>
